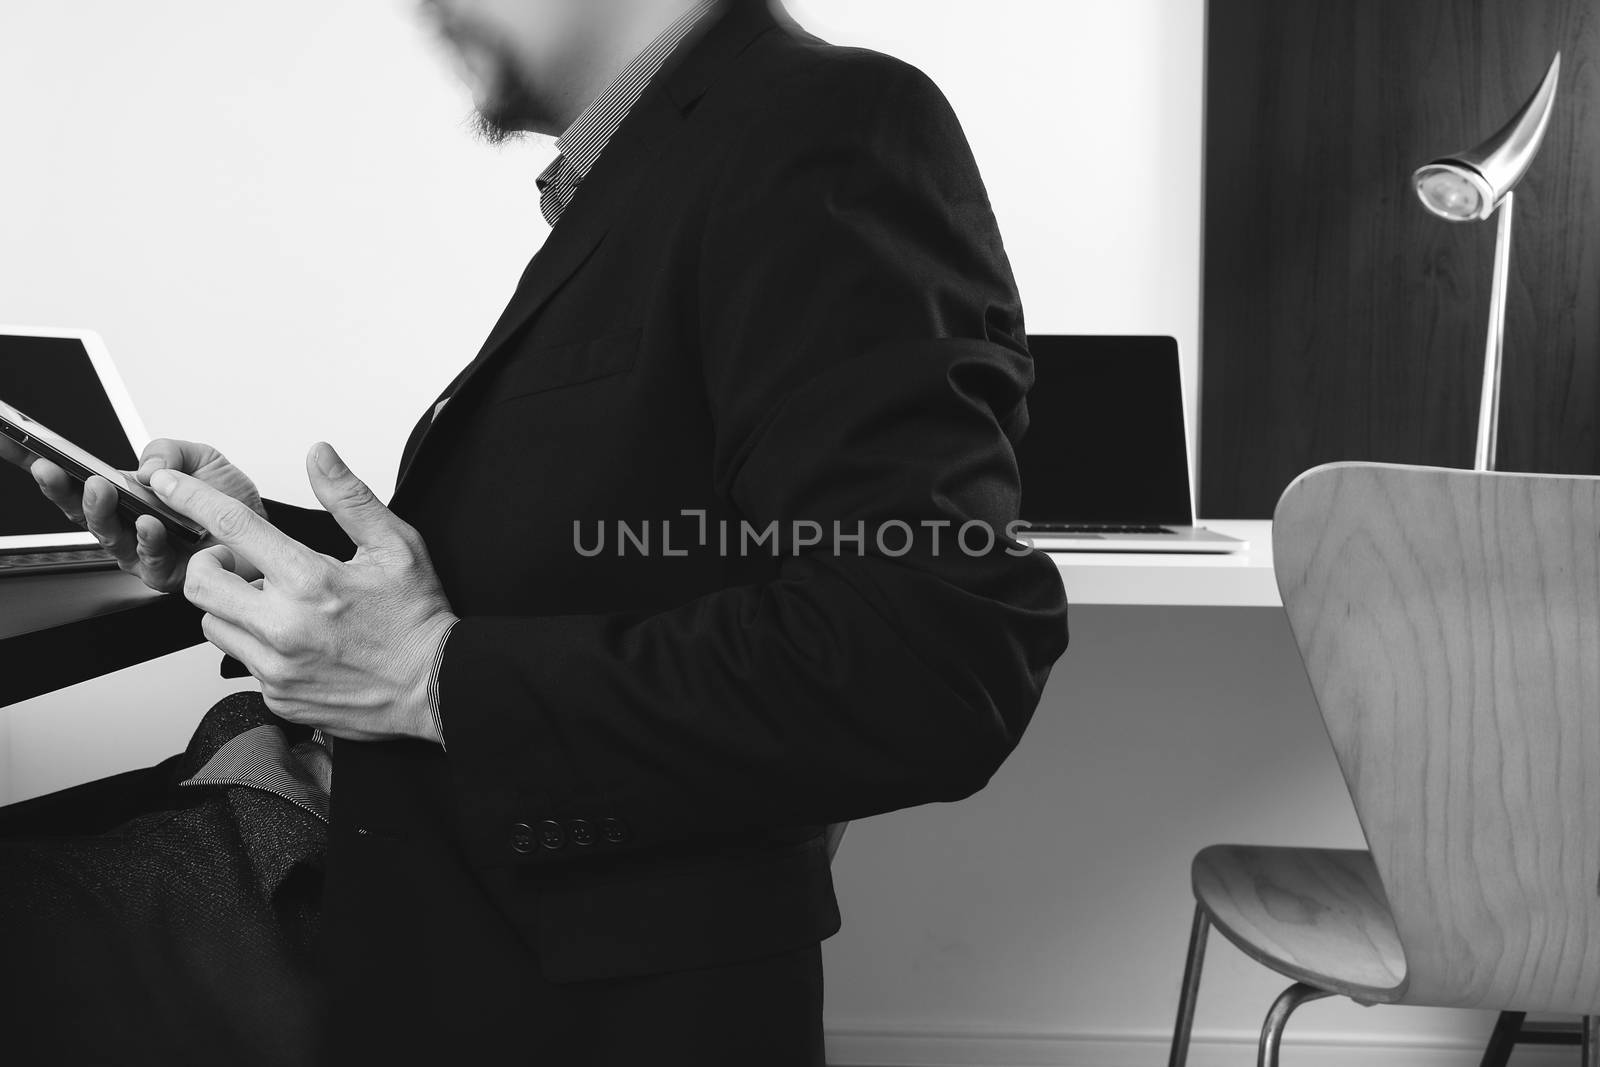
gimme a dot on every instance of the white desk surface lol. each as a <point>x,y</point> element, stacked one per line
<point>1235,579</point>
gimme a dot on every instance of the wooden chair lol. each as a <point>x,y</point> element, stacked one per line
<point>1450,626</point>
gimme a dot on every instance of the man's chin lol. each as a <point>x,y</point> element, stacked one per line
<point>508,113</point>
<point>496,126</point>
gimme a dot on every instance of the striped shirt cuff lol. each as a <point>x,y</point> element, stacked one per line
<point>433,682</point>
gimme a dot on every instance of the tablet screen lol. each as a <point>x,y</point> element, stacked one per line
<point>53,379</point>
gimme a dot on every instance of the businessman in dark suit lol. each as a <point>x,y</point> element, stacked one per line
<point>705,550</point>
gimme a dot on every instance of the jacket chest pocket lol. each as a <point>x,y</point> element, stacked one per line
<point>561,366</point>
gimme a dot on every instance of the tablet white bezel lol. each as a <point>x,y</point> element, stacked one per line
<point>121,403</point>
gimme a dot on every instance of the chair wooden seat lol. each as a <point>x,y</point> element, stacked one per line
<point>1318,916</point>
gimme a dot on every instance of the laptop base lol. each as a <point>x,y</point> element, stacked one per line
<point>1177,539</point>
<point>54,561</point>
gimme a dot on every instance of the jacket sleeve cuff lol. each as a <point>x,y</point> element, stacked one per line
<point>521,798</point>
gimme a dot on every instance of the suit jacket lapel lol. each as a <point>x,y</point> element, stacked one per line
<point>563,252</point>
<point>627,160</point>
<point>574,239</point>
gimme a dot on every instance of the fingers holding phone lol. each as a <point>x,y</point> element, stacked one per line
<point>200,461</point>
<point>110,527</point>
<point>11,452</point>
<point>53,482</point>
<point>145,537</point>
<point>145,547</point>
<point>158,561</point>
<point>61,489</point>
<point>140,548</point>
<point>140,544</point>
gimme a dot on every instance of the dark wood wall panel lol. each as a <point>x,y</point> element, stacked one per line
<point>1341,320</point>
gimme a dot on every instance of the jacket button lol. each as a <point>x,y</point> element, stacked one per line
<point>615,830</point>
<point>522,837</point>
<point>551,835</point>
<point>581,832</point>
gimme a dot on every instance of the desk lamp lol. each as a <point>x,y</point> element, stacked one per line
<point>1470,187</point>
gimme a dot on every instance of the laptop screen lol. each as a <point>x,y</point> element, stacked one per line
<point>1105,440</point>
<point>53,380</point>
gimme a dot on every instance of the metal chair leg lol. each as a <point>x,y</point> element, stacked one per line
<point>1191,989</point>
<point>1278,1017</point>
<point>1591,1041</point>
<point>1502,1039</point>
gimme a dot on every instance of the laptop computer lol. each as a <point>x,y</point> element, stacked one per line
<point>66,380</point>
<point>1105,461</point>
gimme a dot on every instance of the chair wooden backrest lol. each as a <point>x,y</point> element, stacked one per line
<point>1450,626</point>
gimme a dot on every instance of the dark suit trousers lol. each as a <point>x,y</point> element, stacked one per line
<point>145,924</point>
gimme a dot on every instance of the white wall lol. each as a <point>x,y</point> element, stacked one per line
<point>1086,117</point>
<point>272,212</point>
<point>276,218</point>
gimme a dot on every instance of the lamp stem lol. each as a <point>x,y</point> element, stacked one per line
<point>1489,401</point>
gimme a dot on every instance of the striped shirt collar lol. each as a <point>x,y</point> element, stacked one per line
<point>580,146</point>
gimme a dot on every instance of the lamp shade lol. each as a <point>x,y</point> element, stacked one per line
<point>1471,185</point>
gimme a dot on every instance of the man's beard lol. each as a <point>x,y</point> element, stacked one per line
<point>511,108</point>
<point>492,129</point>
<point>502,120</point>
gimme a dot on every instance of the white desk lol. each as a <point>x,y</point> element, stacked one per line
<point>1219,580</point>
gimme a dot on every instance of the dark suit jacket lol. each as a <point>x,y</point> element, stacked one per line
<point>781,295</point>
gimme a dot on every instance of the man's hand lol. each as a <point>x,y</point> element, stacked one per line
<point>143,547</point>
<point>345,647</point>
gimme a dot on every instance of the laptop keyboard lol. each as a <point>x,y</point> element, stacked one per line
<point>1098,528</point>
<point>66,559</point>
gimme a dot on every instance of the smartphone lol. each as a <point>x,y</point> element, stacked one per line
<point>133,496</point>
